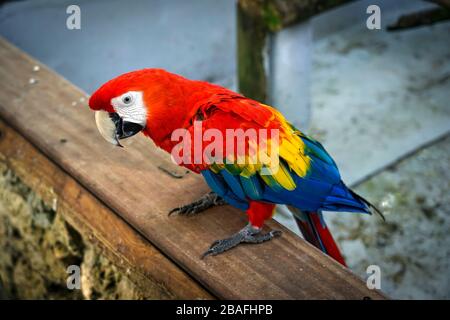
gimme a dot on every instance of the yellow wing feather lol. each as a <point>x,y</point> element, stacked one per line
<point>290,148</point>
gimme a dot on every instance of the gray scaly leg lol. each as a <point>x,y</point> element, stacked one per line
<point>248,234</point>
<point>208,200</point>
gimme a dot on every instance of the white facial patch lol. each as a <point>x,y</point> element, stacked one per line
<point>130,107</point>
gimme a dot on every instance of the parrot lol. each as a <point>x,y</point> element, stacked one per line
<point>306,179</point>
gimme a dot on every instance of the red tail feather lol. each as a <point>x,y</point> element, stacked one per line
<point>316,232</point>
<point>327,239</point>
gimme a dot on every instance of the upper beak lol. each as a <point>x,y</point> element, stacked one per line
<point>112,127</point>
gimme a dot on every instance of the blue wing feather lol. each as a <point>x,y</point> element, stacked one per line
<point>220,186</point>
<point>234,184</point>
<point>320,189</point>
<point>252,187</point>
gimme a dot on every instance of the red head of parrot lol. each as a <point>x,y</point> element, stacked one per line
<point>153,101</point>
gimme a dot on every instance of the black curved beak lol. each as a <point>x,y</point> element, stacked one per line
<point>124,129</point>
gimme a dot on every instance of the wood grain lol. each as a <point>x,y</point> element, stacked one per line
<point>49,115</point>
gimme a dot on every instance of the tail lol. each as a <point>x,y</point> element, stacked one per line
<point>342,198</point>
<point>315,231</point>
<point>367,203</point>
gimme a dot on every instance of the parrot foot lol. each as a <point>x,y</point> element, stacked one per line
<point>208,200</point>
<point>249,234</point>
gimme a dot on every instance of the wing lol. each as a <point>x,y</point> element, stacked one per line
<point>304,172</point>
<point>242,113</point>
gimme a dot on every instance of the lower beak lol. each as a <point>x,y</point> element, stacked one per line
<point>113,128</point>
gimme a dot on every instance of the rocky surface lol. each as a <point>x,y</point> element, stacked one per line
<point>38,245</point>
<point>412,247</point>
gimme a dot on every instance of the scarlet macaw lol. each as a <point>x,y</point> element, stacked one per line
<point>157,102</point>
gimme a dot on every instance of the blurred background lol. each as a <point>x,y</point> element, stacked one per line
<point>378,99</point>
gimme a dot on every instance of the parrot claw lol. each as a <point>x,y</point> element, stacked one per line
<point>249,234</point>
<point>208,200</point>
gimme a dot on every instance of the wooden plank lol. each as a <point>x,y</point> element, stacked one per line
<point>129,182</point>
<point>151,271</point>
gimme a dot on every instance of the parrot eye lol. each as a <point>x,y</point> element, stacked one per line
<point>127,99</point>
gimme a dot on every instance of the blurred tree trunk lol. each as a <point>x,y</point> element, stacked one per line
<point>255,20</point>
